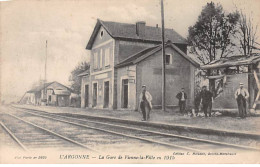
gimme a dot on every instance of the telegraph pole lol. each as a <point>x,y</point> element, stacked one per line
<point>163,59</point>
<point>45,68</point>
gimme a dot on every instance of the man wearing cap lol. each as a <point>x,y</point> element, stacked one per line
<point>206,101</point>
<point>241,96</point>
<point>145,103</point>
<point>182,96</point>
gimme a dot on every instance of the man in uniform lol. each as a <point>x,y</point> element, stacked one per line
<point>182,96</point>
<point>145,103</point>
<point>241,96</point>
<point>206,101</point>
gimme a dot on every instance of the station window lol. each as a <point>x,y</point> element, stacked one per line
<point>168,59</point>
<point>107,57</point>
<point>101,59</point>
<point>95,62</point>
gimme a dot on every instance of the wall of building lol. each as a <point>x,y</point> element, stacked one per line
<point>100,45</point>
<point>179,73</point>
<point>129,73</point>
<point>63,100</point>
<point>101,72</point>
<point>100,79</point>
<point>128,48</point>
<point>85,81</point>
<point>226,99</point>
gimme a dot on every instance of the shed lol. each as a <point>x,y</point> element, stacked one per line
<point>226,73</point>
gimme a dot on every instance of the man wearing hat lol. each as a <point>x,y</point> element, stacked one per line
<point>182,97</point>
<point>145,103</point>
<point>206,101</point>
<point>241,96</point>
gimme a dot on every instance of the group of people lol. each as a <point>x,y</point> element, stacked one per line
<point>203,100</point>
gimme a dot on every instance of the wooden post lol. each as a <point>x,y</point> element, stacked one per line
<point>251,88</point>
<point>163,59</point>
<point>258,93</point>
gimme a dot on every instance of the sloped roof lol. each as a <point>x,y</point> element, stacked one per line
<point>125,31</point>
<point>41,87</point>
<point>140,56</point>
<point>83,73</point>
<point>232,61</point>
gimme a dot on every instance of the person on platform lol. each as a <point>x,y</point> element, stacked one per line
<point>182,97</point>
<point>241,95</point>
<point>197,101</point>
<point>145,103</point>
<point>206,101</point>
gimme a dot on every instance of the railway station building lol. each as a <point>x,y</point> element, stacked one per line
<point>126,56</point>
<point>51,93</point>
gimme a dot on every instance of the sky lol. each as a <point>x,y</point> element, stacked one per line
<point>25,25</point>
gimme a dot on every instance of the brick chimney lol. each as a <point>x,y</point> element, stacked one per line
<point>140,28</point>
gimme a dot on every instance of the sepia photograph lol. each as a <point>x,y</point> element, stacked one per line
<point>129,82</point>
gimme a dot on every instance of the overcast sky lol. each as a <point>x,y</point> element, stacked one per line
<point>68,24</point>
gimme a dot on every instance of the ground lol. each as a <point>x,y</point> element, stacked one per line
<point>248,125</point>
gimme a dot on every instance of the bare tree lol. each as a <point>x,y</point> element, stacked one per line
<point>247,34</point>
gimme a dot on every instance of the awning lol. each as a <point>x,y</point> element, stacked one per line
<point>84,73</point>
<point>232,61</point>
<point>61,92</point>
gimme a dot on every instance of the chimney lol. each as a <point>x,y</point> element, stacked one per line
<point>140,28</point>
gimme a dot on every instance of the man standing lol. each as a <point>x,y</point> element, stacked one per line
<point>206,101</point>
<point>197,101</point>
<point>145,103</point>
<point>241,96</point>
<point>182,96</point>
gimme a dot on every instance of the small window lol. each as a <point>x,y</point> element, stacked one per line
<point>101,34</point>
<point>168,59</point>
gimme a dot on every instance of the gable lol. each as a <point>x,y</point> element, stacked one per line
<point>58,86</point>
<point>127,32</point>
<point>149,52</point>
<point>101,37</point>
<point>155,60</point>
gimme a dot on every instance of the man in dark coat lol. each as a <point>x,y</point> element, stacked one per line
<point>197,101</point>
<point>206,101</point>
<point>182,97</point>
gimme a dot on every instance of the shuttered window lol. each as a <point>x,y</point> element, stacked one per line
<point>107,57</point>
<point>95,62</point>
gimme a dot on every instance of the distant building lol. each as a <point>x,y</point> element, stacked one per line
<point>56,95</point>
<point>126,56</point>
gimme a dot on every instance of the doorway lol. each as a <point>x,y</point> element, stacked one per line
<point>94,94</point>
<point>124,99</point>
<point>86,95</point>
<point>106,94</point>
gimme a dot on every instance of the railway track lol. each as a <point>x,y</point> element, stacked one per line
<point>30,136</point>
<point>159,138</point>
<point>9,139</point>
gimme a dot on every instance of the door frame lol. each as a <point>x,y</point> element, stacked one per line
<point>93,92</point>
<point>85,94</point>
<point>106,80</point>
<point>121,91</point>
